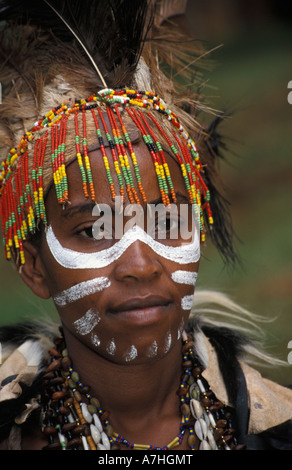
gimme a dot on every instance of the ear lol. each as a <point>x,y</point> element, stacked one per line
<point>33,272</point>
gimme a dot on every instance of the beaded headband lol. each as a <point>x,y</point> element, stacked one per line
<point>22,195</point>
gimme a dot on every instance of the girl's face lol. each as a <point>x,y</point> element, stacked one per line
<point>127,295</point>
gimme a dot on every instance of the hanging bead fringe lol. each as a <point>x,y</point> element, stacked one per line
<point>22,195</point>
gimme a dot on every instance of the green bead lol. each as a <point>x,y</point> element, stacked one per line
<point>174,149</point>
<point>159,146</point>
<point>109,176</point>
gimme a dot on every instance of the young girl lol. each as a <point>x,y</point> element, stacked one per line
<point>106,201</point>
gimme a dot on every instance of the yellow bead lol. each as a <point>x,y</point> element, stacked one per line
<point>16,243</point>
<point>13,159</point>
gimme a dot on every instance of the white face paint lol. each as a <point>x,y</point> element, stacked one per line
<point>187,302</point>
<point>184,277</point>
<point>81,290</point>
<point>70,259</point>
<point>131,354</point>
<point>189,278</point>
<point>184,254</point>
<point>95,340</point>
<point>152,352</point>
<point>168,342</point>
<point>87,323</point>
<point>181,328</point>
<point>111,348</point>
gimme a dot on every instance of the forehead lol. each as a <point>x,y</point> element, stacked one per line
<point>101,176</point>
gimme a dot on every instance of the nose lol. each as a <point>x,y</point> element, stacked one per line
<point>138,263</point>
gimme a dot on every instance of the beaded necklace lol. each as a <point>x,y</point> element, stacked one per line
<point>74,419</point>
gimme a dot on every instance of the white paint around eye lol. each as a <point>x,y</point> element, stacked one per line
<point>81,290</point>
<point>184,277</point>
<point>70,259</point>
<point>87,322</point>
<point>131,354</point>
<point>187,302</point>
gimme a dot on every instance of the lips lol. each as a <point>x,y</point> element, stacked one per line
<point>142,310</point>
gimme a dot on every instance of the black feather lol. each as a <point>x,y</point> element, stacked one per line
<point>112,32</point>
<point>221,232</point>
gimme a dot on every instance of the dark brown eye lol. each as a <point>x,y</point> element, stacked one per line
<point>87,232</point>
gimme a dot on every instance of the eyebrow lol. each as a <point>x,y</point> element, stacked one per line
<point>86,207</point>
<point>179,196</point>
<point>82,208</point>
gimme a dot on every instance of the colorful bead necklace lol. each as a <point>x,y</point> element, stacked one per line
<point>22,194</point>
<point>74,419</point>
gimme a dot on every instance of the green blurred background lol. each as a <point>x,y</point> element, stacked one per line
<point>251,75</point>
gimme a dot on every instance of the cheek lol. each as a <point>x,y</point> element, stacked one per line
<point>84,298</point>
<point>186,280</point>
<point>184,285</point>
<point>81,290</point>
<point>87,322</point>
<point>83,319</point>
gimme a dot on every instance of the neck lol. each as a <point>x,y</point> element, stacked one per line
<point>136,396</point>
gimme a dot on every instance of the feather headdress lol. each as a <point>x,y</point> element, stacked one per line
<point>51,50</point>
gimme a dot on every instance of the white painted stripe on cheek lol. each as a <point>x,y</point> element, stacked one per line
<point>87,323</point>
<point>187,302</point>
<point>183,254</point>
<point>81,290</point>
<point>184,277</point>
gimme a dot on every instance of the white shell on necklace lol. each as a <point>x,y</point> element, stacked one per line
<point>196,408</point>
<point>201,429</point>
<point>87,416</point>
<point>95,434</point>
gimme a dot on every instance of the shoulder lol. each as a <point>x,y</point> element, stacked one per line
<point>267,406</point>
<point>24,347</point>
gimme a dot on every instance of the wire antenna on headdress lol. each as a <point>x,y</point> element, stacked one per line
<point>80,42</point>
